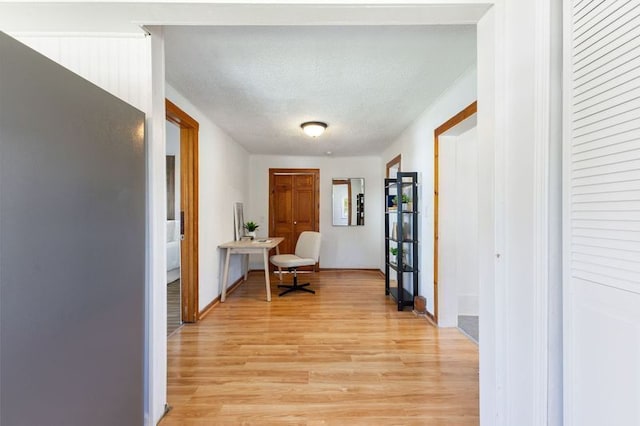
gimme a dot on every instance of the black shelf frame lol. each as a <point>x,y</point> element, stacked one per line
<point>405,291</point>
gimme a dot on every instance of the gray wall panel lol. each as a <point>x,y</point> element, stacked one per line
<point>72,247</point>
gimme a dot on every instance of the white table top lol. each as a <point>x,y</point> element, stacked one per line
<point>258,243</point>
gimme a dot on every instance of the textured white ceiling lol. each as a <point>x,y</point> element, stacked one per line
<point>367,82</point>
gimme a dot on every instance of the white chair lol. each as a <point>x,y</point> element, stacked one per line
<point>307,254</point>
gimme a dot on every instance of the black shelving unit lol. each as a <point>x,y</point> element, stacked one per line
<point>360,209</point>
<point>401,233</point>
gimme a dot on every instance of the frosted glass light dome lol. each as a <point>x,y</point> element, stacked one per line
<point>314,128</point>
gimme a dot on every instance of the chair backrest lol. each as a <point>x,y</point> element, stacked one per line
<point>308,245</point>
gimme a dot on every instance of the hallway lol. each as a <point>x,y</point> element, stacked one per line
<point>342,356</point>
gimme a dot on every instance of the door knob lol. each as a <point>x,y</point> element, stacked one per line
<point>295,223</point>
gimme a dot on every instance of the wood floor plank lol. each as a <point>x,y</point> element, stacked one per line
<point>342,356</point>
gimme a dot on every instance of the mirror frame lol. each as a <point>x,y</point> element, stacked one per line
<point>350,215</point>
<point>397,160</point>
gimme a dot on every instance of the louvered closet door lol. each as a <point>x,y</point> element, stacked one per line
<point>602,213</point>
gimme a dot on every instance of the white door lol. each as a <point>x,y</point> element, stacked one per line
<point>602,213</point>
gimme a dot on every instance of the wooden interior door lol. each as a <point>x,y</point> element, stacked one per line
<point>294,204</point>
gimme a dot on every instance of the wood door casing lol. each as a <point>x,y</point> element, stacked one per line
<point>395,162</point>
<point>189,129</point>
<point>449,124</point>
<point>294,204</point>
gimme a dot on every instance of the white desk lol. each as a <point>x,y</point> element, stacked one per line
<point>247,248</point>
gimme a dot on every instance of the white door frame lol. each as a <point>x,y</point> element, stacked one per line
<point>494,395</point>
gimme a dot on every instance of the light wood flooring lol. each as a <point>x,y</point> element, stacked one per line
<point>343,356</point>
<point>174,320</point>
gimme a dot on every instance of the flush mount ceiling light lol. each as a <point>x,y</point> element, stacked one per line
<point>313,128</point>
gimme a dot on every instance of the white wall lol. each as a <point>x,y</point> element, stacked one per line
<point>515,201</point>
<point>518,101</point>
<point>157,255</point>
<point>466,168</point>
<point>119,64</point>
<point>222,182</point>
<point>416,146</point>
<point>342,246</point>
<point>458,228</point>
<point>339,193</point>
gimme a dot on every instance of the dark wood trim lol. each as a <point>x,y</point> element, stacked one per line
<point>450,123</point>
<point>395,160</point>
<point>178,117</point>
<point>316,173</point>
<point>205,311</point>
<point>189,128</point>
<point>458,118</point>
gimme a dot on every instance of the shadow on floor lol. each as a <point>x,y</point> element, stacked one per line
<point>470,326</point>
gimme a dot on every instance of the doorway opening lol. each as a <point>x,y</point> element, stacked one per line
<point>456,213</point>
<point>174,310</point>
<point>182,226</point>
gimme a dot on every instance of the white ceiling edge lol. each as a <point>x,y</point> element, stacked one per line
<point>128,17</point>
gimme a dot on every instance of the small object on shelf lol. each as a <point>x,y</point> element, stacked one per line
<point>401,226</point>
<point>393,253</point>
<point>406,200</point>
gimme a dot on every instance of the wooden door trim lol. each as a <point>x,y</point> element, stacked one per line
<point>189,128</point>
<point>450,123</point>
<point>316,174</point>
<point>395,160</point>
<point>348,183</point>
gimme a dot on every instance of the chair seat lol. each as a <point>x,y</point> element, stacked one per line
<point>291,261</point>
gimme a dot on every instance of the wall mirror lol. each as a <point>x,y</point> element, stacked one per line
<point>348,201</point>
<point>393,166</point>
